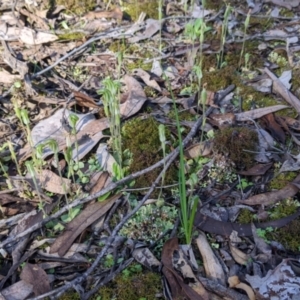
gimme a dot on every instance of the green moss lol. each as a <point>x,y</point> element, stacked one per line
<point>138,64</point>
<point>256,24</point>
<point>289,236</point>
<point>282,180</point>
<point>235,143</point>
<point>70,296</point>
<point>122,46</point>
<point>77,7</point>
<point>72,36</point>
<point>141,137</point>
<point>184,115</point>
<point>214,4</point>
<point>130,285</point>
<point>283,209</point>
<point>245,216</point>
<point>134,8</point>
<point>133,287</point>
<point>284,12</point>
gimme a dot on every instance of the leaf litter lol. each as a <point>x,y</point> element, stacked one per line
<point>67,195</point>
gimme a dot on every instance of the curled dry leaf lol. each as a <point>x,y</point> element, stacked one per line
<point>259,169</point>
<point>234,282</point>
<point>135,97</point>
<point>213,268</point>
<point>273,197</point>
<point>261,244</point>
<point>89,132</point>
<point>222,120</point>
<point>281,89</point>
<point>152,26</point>
<point>18,290</point>
<point>200,149</point>
<point>280,281</point>
<point>258,113</point>
<point>287,4</point>
<point>146,77</point>
<point>239,256</point>
<point>73,229</point>
<point>115,13</point>
<point>179,289</point>
<point>30,274</point>
<point>291,122</point>
<point>184,268</point>
<point>30,37</point>
<point>53,183</point>
<point>145,257</point>
<point>273,127</point>
<point>265,142</point>
<point>85,100</point>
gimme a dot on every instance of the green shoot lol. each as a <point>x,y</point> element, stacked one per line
<point>246,24</point>
<point>223,36</point>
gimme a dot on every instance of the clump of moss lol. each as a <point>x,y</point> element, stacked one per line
<point>77,7</point>
<point>135,7</point>
<point>138,286</point>
<point>72,36</point>
<point>238,144</point>
<point>184,115</point>
<point>282,180</point>
<point>289,236</point>
<point>214,4</point>
<point>245,216</point>
<point>133,283</point>
<point>283,209</point>
<point>141,138</point>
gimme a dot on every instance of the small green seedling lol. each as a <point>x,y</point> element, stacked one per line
<point>244,183</point>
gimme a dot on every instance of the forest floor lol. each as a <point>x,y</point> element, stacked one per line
<point>149,149</point>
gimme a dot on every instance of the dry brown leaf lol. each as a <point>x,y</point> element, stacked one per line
<point>84,100</point>
<point>178,288</point>
<point>273,127</point>
<point>222,120</point>
<point>234,282</point>
<point>281,281</point>
<point>16,64</point>
<point>53,183</point>
<point>213,268</point>
<point>18,290</point>
<point>261,244</point>
<point>273,197</point>
<point>200,149</point>
<point>289,4</point>
<point>37,277</point>
<point>115,13</point>
<point>239,256</point>
<point>145,257</point>
<point>135,97</point>
<point>291,122</point>
<point>258,113</point>
<point>280,88</point>
<point>146,77</point>
<point>102,181</point>
<point>31,37</point>
<point>73,229</point>
<point>259,169</point>
<point>152,26</point>
<point>185,269</point>
<point>6,78</point>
